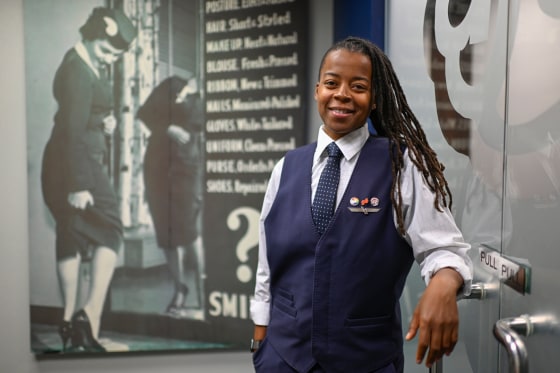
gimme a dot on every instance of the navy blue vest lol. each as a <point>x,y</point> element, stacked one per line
<point>335,298</point>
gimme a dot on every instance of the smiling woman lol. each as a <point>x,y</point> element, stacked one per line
<point>311,251</point>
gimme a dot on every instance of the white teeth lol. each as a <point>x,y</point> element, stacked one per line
<point>341,111</point>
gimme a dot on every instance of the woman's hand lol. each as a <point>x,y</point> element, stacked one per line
<point>178,134</point>
<point>436,317</point>
<point>109,124</point>
<point>258,335</point>
<point>80,200</point>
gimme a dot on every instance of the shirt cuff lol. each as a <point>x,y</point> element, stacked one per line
<point>449,260</point>
<point>260,312</point>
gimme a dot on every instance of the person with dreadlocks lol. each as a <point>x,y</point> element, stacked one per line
<point>327,294</point>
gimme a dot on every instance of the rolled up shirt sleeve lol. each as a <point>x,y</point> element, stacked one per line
<point>433,235</point>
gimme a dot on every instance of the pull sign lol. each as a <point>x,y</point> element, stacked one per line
<point>516,273</point>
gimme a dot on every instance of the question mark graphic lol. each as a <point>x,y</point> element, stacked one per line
<point>249,240</point>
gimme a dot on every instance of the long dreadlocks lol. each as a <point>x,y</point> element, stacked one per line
<point>394,119</point>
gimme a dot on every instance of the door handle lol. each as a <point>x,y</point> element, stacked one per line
<point>507,331</point>
<point>479,291</point>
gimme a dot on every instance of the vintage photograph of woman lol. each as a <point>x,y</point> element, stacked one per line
<point>76,185</point>
<point>115,145</point>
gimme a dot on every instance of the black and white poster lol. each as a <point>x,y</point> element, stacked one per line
<point>152,129</point>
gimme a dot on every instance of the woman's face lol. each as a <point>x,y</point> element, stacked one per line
<point>344,92</point>
<point>104,52</point>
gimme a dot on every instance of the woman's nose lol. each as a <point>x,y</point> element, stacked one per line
<point>342,93</point>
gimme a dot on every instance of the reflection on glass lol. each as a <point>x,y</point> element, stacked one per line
<point>461,40</point>
<point>494,65</point>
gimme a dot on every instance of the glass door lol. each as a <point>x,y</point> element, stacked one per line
<point>483,78</point>
<point>450,57</point>
<point>532,190</point>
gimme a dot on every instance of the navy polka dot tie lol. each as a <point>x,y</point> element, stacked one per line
<point>325,195</point>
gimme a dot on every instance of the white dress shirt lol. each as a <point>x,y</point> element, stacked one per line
<point>433,235</point>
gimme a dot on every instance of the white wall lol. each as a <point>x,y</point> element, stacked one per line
<point>15,355</point>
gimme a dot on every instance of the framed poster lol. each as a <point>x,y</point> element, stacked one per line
<point>153,126</point>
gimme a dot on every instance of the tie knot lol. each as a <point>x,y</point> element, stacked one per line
<point>334,150</point>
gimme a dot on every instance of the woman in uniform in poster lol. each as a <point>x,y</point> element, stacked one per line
<point>76,186</point>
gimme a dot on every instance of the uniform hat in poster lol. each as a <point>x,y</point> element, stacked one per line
<point>110,24</point>
<point>120,30</point>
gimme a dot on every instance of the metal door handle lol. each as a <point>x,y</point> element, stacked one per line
<point>481,291</point>
<point>507,331</point>
<point>478,291</point>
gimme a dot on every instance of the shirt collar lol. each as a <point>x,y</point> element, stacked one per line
<point>350,144</point>
<point>84,55</point>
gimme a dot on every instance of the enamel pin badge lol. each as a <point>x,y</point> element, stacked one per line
<point>364,205</point>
